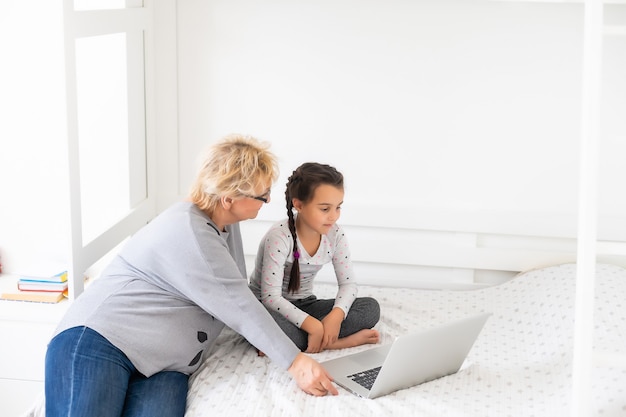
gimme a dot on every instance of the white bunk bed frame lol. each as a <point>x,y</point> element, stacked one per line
<point>587,210</point>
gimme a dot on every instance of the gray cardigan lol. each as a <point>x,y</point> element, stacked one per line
<point>169,292</point>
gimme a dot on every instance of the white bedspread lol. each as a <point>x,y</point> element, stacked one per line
<point>519,366</point>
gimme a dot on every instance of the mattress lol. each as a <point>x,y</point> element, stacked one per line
<point>520,365</point>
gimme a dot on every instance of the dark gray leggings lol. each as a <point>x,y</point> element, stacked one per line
<point>364,314</point>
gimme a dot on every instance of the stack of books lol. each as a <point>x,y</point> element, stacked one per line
<point>51,289</point>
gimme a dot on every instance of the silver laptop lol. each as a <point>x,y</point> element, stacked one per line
<point>408,361</point>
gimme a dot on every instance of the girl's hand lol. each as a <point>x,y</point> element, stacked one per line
<point>332,326</point>
<point>314,343</point>
<point>315,329</point>
<point>311,377</point>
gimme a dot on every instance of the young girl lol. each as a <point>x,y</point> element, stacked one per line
<point>291,254</point>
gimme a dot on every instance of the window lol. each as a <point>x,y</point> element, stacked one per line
<point>110,181</point>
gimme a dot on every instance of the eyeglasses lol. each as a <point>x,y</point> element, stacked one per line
<point>264,198</point>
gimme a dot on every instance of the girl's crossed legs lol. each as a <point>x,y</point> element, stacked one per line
<point>355,330</point>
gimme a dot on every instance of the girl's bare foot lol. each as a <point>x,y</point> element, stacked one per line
<point>362,337</point>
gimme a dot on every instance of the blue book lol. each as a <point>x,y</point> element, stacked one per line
<point>58,278</point>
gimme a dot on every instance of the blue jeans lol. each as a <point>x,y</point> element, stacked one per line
<point>85,375</point>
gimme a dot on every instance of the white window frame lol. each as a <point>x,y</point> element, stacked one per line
<point>136,21</point>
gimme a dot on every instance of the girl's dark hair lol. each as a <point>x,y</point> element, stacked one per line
<point>301,185</point>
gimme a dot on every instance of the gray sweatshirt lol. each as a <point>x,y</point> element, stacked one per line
<point>166,296</point>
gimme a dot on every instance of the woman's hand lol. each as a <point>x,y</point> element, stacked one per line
<point>332,326</point>
<point>315,329</point>
<point>311,377</point>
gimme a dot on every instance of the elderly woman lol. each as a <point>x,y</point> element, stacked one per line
<point>128,344</point>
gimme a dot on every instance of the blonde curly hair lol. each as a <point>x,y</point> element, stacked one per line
<point>236,166</point>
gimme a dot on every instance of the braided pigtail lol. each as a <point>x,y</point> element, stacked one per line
<point>294,277</point>
<point>301,185</point>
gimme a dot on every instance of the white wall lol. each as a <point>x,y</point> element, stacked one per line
<point>455,123</point>
<point>34,207</point>
<point>435,104</point>
<point>457,116</point>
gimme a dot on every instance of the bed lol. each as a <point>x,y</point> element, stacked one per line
<point>519,366</point>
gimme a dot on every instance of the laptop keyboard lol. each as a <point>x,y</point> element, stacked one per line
<point>365,378</point>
